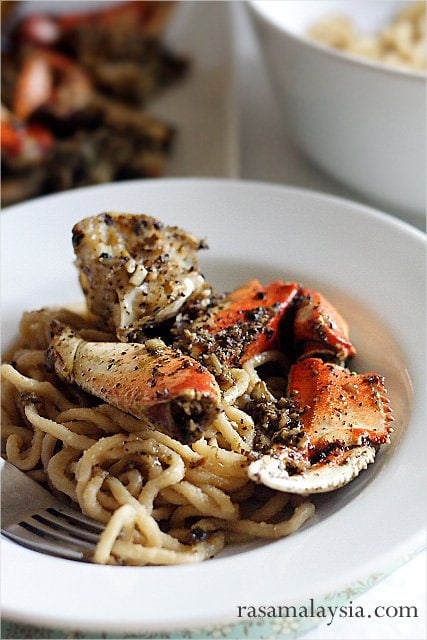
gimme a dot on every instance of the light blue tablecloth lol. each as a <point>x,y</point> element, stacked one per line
<point>277,628</point>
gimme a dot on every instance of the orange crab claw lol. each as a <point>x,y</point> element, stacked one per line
<point>244,324</point>
<point>337,422</point>
<point>151,381</point>
<point>319,328</point>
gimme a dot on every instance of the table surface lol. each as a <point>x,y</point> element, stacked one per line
<point>266,154</point>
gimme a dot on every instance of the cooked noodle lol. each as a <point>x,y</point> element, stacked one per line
<point>162,501</point>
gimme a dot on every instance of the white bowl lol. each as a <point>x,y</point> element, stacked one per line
<point>372,267</point>
<point>363,123</point>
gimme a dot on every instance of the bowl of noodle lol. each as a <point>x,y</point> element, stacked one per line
<point>253,231</point>
<point>350,78</point>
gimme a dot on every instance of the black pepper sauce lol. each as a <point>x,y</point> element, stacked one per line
<point>245,323</point>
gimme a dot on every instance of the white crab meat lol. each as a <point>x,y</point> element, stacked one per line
<point>134,271</point>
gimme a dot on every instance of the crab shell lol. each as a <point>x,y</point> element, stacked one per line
<point>319,478</point>
<point>319,328</point>
<point>343,419</point>
<point>245,323</point>
<point>164,388</point>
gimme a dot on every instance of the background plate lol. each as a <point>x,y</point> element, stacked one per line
<point>202,107</point>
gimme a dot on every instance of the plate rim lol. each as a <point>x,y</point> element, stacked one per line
<point>389,556</point>
<point>365,209</point>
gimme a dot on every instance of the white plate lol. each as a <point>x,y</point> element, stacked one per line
<point>372,267</point>
<point>202,106</point>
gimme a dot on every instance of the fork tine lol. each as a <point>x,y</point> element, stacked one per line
<point>62,524</point>
<point>39,527</point>
<point>79,519</point>
<point>36,543</point>
<point>35,519</point>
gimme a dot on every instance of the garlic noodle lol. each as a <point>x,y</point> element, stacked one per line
<point>162,502</point>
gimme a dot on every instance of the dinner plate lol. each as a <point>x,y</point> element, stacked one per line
<point>201,32</point>
<point>371,266</point>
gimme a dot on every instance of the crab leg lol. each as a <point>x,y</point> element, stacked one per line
<point>150,381</point>
<point>242,325</point>
<point>319,328</point>
<point>336,424</point>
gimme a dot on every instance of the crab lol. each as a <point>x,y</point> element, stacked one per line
<point>330,422</point>
<point>48,29</point>
<point>315,435</point>
<point>110,47</point>
<point>319,328</point>
<point>51,81</point>
<point>243,324</point>
<point>81,80</point>
<point>24,147</point>
<point>134,270</point>
<point>337,421</point>
<point>166,389</point>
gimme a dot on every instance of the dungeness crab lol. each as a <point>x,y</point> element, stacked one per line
<point>337,421</point>
<point>314,433</point>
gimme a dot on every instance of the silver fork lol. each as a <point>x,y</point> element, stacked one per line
<point>33,518</point>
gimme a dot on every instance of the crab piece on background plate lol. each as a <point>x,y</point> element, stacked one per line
<point>337,423</point>
<point>50,80</point>
<point>146,17</point>
<point>25,149</point>
<point>120,47</point>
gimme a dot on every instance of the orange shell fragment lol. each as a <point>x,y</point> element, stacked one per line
<point>245,323</point>
<point>339,420</point>
<point>338,406</point>
<point>319,328</point>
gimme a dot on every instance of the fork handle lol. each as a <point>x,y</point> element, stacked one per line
<point>20,495</point>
